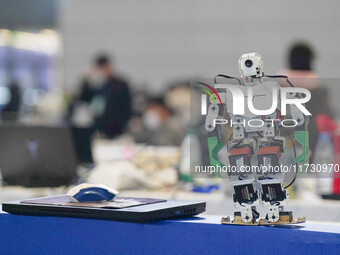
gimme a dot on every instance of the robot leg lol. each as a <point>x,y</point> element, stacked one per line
<point>245,193</point>
<point>270,179</point>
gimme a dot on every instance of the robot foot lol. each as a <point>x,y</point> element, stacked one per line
<point>240,219</point>
<point>285,217</point>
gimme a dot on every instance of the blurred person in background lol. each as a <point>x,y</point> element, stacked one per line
<point>11,110</point>
<point>157,126</point>
<point>103,103</point>
<point>177,98</point>
<point>301,59</point>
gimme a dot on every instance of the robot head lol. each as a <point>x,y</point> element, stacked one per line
<point>251,64</point>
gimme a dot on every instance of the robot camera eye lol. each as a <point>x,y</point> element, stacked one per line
<point>248,63</point>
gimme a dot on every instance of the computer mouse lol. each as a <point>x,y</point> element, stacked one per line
<point>88,192</point>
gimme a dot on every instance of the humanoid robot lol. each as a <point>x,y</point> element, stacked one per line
<point>256,136</point>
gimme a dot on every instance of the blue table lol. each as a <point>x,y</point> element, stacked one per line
<point>53,235</point>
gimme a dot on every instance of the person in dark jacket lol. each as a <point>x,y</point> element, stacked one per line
<point>108,99</point>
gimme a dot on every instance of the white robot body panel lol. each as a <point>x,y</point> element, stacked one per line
<point>261,97</point>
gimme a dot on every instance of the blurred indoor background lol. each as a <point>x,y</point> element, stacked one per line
<point>50,50</point>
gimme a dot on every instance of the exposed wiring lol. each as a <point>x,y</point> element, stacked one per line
<point>268,76</point>
<point>280,76</point>
<point>264,178</point>
<point>242,177</point>
<point>296,170</point>
<point>231,135</point>
<point>256,213</point>
<point>227,77</point>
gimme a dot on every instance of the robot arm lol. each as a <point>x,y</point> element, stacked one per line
<point>215,132</point>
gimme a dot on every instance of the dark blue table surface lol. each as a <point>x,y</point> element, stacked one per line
<point>200,235</point>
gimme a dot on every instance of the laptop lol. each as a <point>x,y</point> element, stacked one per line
<point>121,209</point>
<point>83,145</point>
<point>37,156</point>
